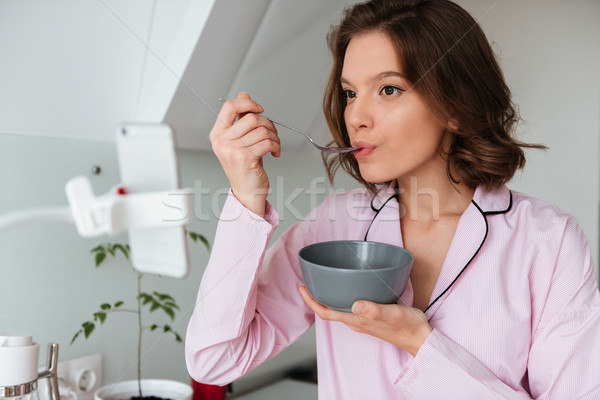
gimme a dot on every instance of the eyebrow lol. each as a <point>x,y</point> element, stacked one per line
<point>379,76</point>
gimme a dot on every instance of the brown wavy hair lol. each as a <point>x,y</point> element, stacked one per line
<point>448,61</point>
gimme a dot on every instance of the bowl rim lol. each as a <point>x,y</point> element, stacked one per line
<point>353,270</point>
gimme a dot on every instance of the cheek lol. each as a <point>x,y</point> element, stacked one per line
<point>411,141</point>
<point>346,122</point>
<point>418,132</point>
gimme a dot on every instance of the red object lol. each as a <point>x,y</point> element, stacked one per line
<point>202,391</point>
<point>121,191</point>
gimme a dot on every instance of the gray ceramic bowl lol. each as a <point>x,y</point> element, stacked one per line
<point>338,273</point>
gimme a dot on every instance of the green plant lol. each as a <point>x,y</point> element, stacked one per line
<point>153,301</point>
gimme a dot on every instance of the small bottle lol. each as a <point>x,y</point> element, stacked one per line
<point>18,367</point>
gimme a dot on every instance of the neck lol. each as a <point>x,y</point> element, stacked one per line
<point>428,198</point>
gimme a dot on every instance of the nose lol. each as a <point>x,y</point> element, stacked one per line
<point>358,115</point>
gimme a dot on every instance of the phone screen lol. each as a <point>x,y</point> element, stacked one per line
<point>148,163</point>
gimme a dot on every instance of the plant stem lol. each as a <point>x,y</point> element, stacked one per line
<point>139,350</point>
<point>122,310</point>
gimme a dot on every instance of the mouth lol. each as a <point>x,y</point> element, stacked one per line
<point>364,149</point>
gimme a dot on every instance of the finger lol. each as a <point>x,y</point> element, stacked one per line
<point>387,313</point>
<point>264,147</point>
<point>252,129</point>
<point>322,311</point>
<point>258,135</point>
<point>314,305</point>
<point>368,309</point>
<point>232,109</point>
<point>249,122</point>
<point>242,95</point>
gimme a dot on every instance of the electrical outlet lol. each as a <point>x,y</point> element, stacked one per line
<point>82,376</point>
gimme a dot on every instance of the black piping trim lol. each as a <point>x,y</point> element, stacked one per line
<point>510,202</point>
<point>396,193</point>
<point>377,211</point>
<point>469,262</point>
<point>484,214</point>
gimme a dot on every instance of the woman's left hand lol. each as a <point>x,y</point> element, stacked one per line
<point>404,327</point>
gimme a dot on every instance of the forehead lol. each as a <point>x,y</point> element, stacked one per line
<point>369,54</point>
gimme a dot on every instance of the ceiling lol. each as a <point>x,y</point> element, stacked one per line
<point>76,68</point>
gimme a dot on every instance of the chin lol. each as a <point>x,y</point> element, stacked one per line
<point>372,175</point>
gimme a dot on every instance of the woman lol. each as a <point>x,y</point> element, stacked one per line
<point>502,300</point>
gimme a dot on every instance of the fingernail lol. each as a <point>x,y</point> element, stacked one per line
<point>358,307</point>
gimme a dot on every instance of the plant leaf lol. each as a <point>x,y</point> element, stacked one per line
<point>163,296</point>
<point>101,316</point>
<point>166,328</point>
<point>171,304</point>
<point>196,236</point>
<point>122,249</point>
<point>88,328</point>
<point>105,306</point>
<point>153,327</point>
<point>100,256</point>
<point>118,304</point>
<point>111,250</point>
<point>146,298</point>
<point>177,337</point>
<point>97,248</point>
<point>205,241</point>
<point>75,337</point>
<point>154,306</point>
<point>169,312</point>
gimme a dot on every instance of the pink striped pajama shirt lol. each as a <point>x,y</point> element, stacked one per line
<point>515,313</point>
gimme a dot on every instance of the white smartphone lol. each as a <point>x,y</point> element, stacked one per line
<point>148,163</point>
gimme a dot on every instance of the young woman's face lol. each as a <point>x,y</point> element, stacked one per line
<point>399,135</point>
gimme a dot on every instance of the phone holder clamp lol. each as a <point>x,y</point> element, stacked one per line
<point>113,213</point>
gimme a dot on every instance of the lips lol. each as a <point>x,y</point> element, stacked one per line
<point>365,149</point>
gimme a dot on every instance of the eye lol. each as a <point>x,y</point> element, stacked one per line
<point>349,94</point>
<point>390,90</point>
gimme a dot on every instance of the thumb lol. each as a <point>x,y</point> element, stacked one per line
<point>243,95</point>
<point>366,309</point>
<point>375,311</point>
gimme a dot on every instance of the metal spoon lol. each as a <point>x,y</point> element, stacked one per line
<point>325,149</point>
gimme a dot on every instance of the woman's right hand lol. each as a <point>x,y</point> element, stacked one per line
<point>240,146</point>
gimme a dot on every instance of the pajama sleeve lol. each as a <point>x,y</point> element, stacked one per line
<point>248,307</point>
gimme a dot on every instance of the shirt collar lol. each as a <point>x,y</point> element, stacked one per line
<point>495,201</point>
<point>383,194</point>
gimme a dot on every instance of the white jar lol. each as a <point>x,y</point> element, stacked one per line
<point>18,367</point>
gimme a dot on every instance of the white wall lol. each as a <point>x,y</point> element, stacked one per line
<point>71,68</point>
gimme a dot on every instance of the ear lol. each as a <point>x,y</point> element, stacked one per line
<point>452,124</point>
